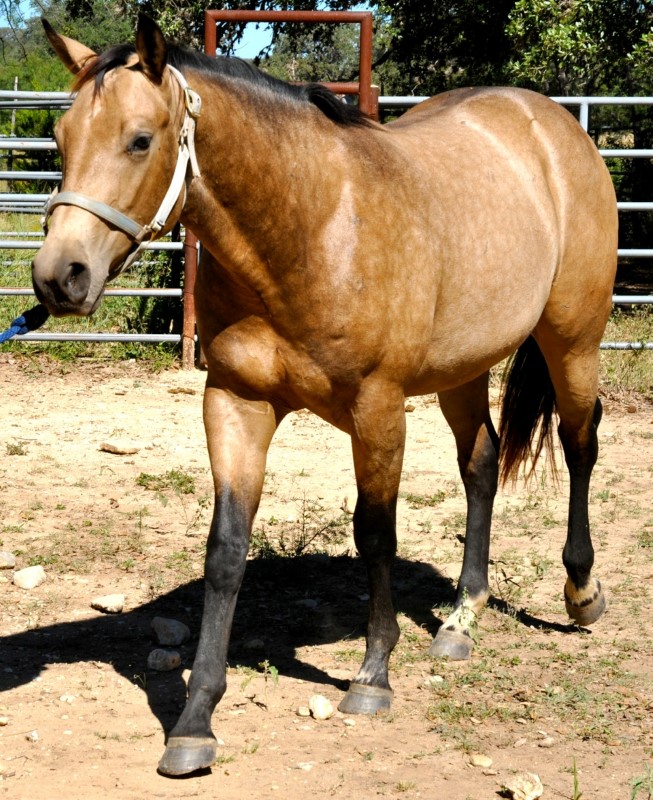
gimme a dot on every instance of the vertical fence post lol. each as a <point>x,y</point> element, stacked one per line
<point>190,274</point>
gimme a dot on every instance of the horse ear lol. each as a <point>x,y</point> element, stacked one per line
<point>151,48</point>
<point>73,54</point>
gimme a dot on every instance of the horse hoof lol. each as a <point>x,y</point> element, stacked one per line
<point>452,644</point>
<point>363,699</point>
<point>186,754</point>
<point>586,606</point>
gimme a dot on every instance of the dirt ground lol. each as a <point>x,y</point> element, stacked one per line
<point>82,717</point>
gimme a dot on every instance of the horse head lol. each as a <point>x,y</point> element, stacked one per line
<point>119,144</point>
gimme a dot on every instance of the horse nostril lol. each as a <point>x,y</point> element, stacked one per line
<point>75,281</point>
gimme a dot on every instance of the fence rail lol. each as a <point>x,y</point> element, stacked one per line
<point>33,203</point>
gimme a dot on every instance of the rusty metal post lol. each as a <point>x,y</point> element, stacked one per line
<point>363,88</point>
<point>190,274</point>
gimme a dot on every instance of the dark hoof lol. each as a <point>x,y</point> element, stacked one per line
<point>452,644</point>
<point>186,754</point>
<point>587,610</point>
<point>362,699</point>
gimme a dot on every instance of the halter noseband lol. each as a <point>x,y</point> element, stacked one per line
<point>141,234</point>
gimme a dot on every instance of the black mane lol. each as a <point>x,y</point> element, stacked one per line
<point>181,58</point>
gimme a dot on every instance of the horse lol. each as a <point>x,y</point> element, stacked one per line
<point>345,266</point>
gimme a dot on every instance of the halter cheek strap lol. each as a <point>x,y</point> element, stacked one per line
<point>186,156</point>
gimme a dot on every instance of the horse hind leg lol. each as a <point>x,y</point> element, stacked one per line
<point>568,382</point>
<point>466,410</point>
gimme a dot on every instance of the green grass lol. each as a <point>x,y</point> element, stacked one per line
<point>628,371</point>
<point>176,480</point>
<point>115,315</point>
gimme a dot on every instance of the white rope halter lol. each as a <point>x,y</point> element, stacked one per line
<point>142,234</point>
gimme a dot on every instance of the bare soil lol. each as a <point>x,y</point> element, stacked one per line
<point>539,695</point>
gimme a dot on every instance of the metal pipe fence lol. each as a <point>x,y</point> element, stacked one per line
<point>17,202</point>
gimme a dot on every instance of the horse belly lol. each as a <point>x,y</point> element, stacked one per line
<point>487,305</point>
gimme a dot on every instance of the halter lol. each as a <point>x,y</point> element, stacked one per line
<point>142,234</point>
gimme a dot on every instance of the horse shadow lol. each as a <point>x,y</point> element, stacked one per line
<point>285,604</point>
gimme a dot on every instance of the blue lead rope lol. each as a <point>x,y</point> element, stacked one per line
<point>29,321</point>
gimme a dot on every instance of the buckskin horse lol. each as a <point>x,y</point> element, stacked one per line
<point>345,266</point>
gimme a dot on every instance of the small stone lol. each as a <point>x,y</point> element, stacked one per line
<point>409,407</point>
<point>109,603</point>
<point>4,721</point>
<point>520,742</point>
<point>119,448</point>
<point>350,723</point>
<point>307,766</point>
<point>548,741</point>
<point>163,660</point>
<point>170,632</point>
<point>67,698</point>
<point>32,736</point>
<point>478,760</point>
<point>307,603</point>
<point>525,786</point>
<point>7,560</point>
<point>432,681</point>
<point>30,577</point>
<point>303,711</point>
<point>321,707</point>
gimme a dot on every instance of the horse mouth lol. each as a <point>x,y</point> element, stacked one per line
<point>66,304</point>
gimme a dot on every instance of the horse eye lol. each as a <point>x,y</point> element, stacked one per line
<point>140,144</point>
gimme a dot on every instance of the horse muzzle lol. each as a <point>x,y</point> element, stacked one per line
<point>65,285</point>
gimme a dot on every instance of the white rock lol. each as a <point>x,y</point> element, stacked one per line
<point>32,736</point>
<point>7,560</point>
<point>119,448</point>
<point>163,660</point>
<point>321,707</point>
<point>170,632</point>
<point>30,577</point>
<point>525,786</point>
<point>478,760</point>
<point>109,603</point>
<point>4,721</point>
<point>303,711</point>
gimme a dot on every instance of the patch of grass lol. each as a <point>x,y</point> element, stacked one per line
<point>422,501</point>
<point>645,538</point>
<point>642,784</point>
<point>576,792</point>
<point>630,370</point>
<point>314,531</point>
<point>16,449</point>
<point>117,314</point>
<point>176,480</point>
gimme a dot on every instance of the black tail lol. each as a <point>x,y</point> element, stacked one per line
<point>528,401</point>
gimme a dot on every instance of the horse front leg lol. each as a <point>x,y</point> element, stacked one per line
<point>378,447</point>
<point>467,412</point>
<point>238,436</point>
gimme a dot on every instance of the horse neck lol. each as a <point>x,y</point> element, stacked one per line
<point>259,156</point>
